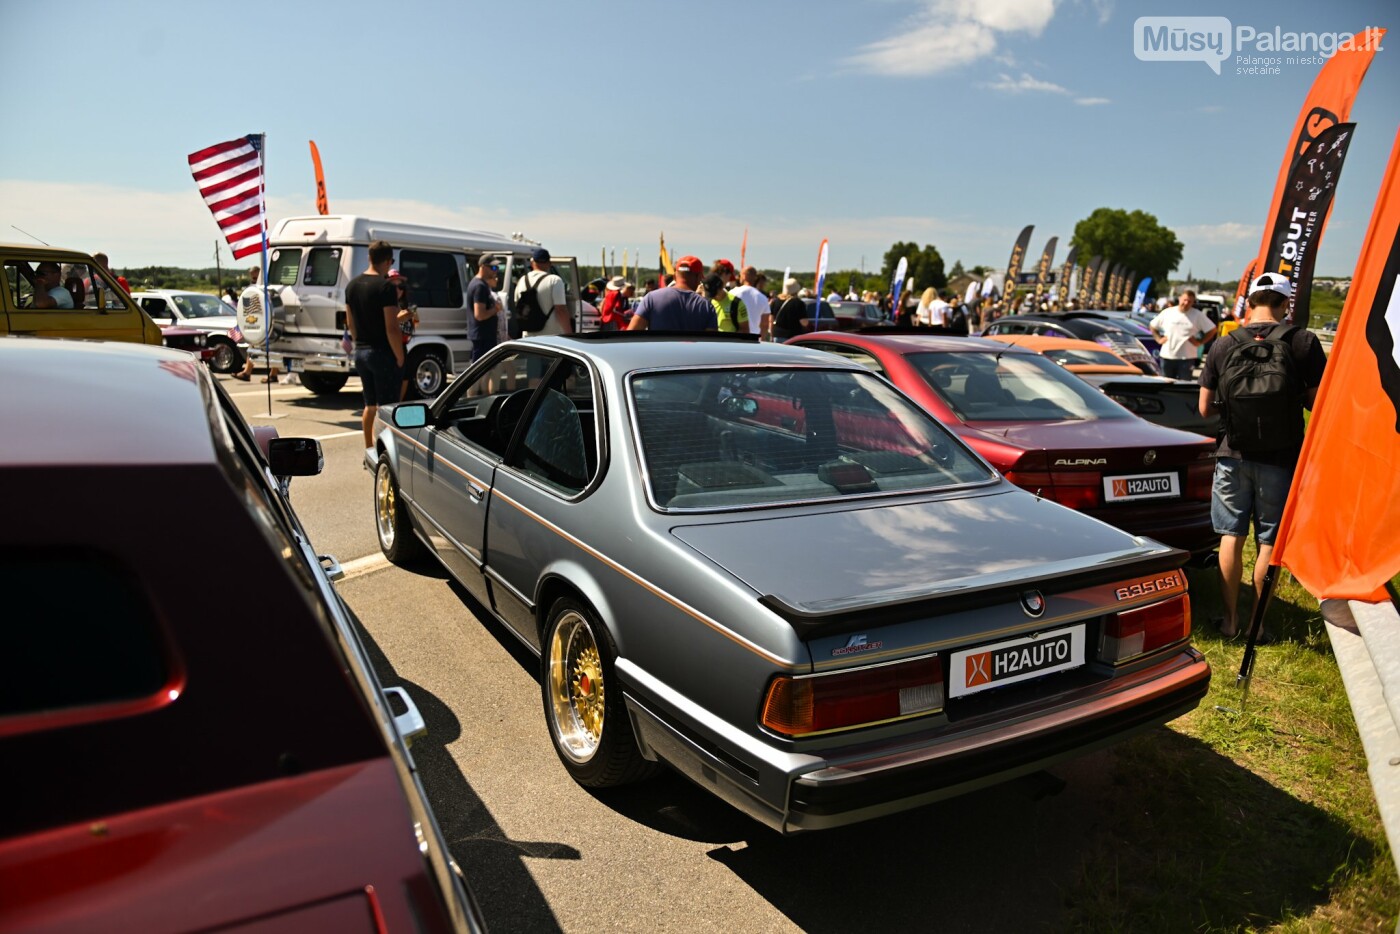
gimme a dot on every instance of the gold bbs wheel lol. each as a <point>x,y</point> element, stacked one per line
<point>576,687</point>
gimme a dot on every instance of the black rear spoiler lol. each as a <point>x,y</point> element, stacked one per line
<point>814,624</point>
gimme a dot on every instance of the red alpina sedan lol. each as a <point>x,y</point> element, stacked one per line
<point>1050,432</point>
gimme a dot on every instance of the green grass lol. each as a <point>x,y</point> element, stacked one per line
<point>1253,819</point>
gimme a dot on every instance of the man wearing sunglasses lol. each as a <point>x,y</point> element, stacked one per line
<point>482,300</point>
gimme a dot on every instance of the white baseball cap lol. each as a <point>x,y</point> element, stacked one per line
<point>1271,282</point>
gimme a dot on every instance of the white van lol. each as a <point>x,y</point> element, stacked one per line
<point>312,259</point>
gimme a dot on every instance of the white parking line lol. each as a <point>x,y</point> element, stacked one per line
<point>359,567</point>
<point>338,434</point>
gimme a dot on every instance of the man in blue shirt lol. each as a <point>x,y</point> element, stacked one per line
<point>481,299</point>
<point>678,307</point>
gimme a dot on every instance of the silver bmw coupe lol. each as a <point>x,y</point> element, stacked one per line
<point>767,568</point>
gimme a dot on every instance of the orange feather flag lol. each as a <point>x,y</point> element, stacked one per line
<point>322,205</point>
<point>1339,530</point>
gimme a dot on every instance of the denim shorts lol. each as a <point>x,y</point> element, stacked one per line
<point>380,375</point>
<point>1243,489</point>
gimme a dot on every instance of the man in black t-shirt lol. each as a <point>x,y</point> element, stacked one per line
<point>481,299</point>
<point>372,315</point>
<point>1255,483</point>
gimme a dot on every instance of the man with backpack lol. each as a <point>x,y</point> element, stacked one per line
<point>538,300</point>
<point>1260,377</point>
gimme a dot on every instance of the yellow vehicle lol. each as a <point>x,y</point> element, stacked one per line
<point>51,292</point>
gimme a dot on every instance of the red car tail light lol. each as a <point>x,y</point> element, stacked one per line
<point>1132,633</point>
<point>1075,489</point>
<point>807,704</point>
<point>1200,476</point>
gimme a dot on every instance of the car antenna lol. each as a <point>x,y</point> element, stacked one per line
<point>30,235</point>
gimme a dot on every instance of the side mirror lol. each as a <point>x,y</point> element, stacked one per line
<point>295,457</point>
<point>410,415</point>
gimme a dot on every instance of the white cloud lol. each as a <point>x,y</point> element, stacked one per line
<point>1092,101</point>
<point>1224,232</point>
<point>945,34</point>
<point>1025,83</point>
<point>138,228</point>
<point>1211,109</point>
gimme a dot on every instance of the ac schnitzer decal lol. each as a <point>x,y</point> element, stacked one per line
<point>989,666</point>
<point>857,644</point>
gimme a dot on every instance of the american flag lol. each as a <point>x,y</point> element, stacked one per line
<point>229,176</point>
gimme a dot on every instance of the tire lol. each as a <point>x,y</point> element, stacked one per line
<point>392,526</point>
<point>427,372</point>
<point>227,357</point>
<point>583,705</point>
<point>323,384</point>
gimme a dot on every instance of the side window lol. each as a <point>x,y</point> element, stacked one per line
<point>282,266</point>
<point>322,266</point>
<point>155,307</point>
<point>485,411</point>
<point>73,647</point>
<point>71,286</point>
<point>856,355</point>
<point>560,446</point>
<point>433,279</point>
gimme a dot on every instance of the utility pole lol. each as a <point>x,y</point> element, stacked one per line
<point>219,267</point>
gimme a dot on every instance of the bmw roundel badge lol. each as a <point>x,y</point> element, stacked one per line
<point>1149,458</point>
<point>1033,603</point>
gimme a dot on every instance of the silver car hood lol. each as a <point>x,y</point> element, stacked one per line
<point>828,563</point>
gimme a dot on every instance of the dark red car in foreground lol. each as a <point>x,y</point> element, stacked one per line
<point>187,750</point>
<point>1050,432</point>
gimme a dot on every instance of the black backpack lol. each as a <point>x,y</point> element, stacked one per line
<point>1261,394</point>
<point>528,315</point>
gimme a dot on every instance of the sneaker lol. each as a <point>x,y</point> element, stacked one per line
<point>369,459</point>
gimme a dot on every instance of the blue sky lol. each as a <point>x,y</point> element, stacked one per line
<point>587,125</point>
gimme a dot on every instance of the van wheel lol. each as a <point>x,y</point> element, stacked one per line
<point>427,371</point>
<point>227,357</point>
<point>323,384</point>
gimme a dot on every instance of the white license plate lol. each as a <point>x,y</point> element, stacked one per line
<point>293,364</point>
<point>991,666</point>
<point>1141,486</point>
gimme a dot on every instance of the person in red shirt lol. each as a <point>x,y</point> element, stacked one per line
<point>616,305</point>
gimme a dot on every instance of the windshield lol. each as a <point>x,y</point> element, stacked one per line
<point>201,306</point>
<point>1012,387</point>
<point>740,437</point>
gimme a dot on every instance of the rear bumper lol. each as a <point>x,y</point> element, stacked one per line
<point>861,789</point>
<point>1184,525</point>
<point>792,791</point>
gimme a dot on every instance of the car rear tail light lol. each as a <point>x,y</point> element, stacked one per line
<point>1132,633</point>
<point>1077,489</point>
<point>1200,476</point>
<point>809,704</point>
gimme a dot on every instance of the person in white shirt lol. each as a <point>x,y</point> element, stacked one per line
<point>1181,328</point>
<point>940,312</point>
<point>760,312</point>
<point>549,292</point>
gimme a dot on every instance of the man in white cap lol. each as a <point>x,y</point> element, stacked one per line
<point>1261,376</point>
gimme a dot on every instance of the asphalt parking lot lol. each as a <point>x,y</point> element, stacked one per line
<point>542,853</point>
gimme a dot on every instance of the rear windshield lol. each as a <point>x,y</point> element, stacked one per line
<point>1077,355</point>
<point>1014,387</point>
<point>741,437</point>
